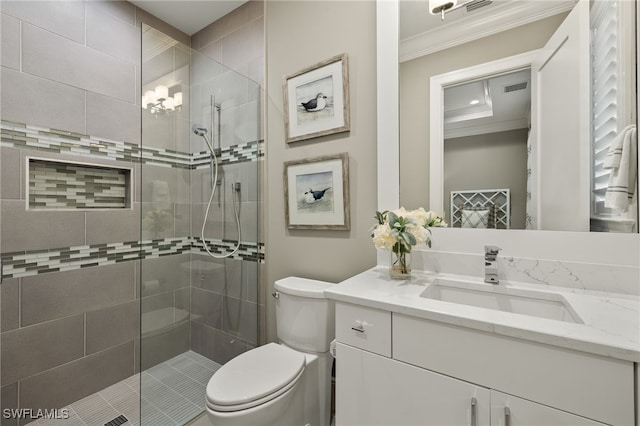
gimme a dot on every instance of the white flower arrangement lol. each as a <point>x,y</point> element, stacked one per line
<point>399,230</point>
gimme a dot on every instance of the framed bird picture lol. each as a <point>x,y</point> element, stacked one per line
<point>316,100</point>
<point>316,193</point>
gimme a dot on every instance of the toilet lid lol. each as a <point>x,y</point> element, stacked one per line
<point>254,377</point>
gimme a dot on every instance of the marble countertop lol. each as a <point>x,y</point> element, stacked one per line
<point>611,322</point>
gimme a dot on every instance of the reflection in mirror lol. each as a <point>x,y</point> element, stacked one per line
<point>486,129</point>
<point>563,183</point>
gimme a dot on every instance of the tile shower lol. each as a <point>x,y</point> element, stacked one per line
<point>99,296</point>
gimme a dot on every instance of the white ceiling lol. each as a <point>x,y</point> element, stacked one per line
<point>189,16</point>
<point>415,17</point>
<point>500,108</point>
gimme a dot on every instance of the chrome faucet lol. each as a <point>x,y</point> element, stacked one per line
<point>491,264</point>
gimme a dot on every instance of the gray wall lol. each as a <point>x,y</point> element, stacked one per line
<point>75,67</point>
<point>347,27</point>
<point>488,161</point>
<point>414,89</point>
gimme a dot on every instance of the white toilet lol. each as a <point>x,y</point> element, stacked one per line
<point>286,384</point>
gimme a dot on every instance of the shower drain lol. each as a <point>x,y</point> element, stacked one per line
<point>120,420</point>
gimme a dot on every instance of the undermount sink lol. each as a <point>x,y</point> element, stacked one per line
<point>498,297</point>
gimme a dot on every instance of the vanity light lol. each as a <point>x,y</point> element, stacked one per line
<point>440,7</point>
<point>159,101</point>
<point>177,97</point>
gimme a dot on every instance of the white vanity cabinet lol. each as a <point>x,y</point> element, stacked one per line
<point>394,369</point>
<point>508,410</point>
<point>375,390</point>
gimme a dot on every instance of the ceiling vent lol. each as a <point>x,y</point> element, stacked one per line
<point>514,87</point>
<point>478,4</point>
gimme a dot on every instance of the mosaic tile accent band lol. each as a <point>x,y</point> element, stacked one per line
<point>58,185</point>
<point>27,136</point>
<point>36,262</point>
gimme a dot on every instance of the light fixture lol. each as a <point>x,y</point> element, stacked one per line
<point>158,101</point>
<point>440,7</point>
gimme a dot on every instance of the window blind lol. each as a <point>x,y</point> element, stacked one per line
<point>605,40</point>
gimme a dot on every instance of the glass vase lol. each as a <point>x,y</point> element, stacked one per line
<point>400,265</point>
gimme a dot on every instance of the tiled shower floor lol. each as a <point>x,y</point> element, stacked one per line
<point>172,394</point>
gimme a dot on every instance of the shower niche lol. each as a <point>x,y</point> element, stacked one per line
<point>68,186</point>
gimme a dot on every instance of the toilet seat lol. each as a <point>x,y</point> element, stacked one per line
<point>254,378</point>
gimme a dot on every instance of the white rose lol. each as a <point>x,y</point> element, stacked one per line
<point>383,237</point>
<point>419,232</point>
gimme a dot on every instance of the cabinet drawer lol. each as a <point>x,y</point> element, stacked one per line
<point>592,386</point>
<point>364,328</point>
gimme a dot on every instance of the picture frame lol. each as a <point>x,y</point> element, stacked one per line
<point>316,193</point>
<point>316,100</point>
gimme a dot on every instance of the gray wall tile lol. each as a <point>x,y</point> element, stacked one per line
<point>183,299</point>
<point>36,230</point>
<point>158,131</point>
<point>23,101</point>
<point>157,311</point>
<point>59,59</point>
<point>208,273</point>
<point>222,27</point>
<point>241,319</point>
<point>68,383</point>
<point>9,399</point>
<point>119,9</point>
<point>250,281</point>
<point>31,350</point>
<point>157,222</point>
<point>206,307</point>
<point>112,326</point>
<point>10,37</point>
<point>248,221</point>
<point>159,347</point>
<point>10,304</point>
<point>11,174</point>
<point>111,35</point>
<point>148,19</point>
<point>63,18</point>
<point>110,226</point>
<point>59,294</point>
<point>177,181</point>
<point>242,45</point>
<point>183,220</point>
<point>103,112</point>
<point>164,274</point>
<point>214,344</point>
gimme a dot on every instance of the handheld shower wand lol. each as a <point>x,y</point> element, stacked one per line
<point>202,131</point>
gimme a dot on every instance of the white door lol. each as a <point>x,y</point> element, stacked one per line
<point>560,112</point>
<point>374,390</point>
<point>508,410</point>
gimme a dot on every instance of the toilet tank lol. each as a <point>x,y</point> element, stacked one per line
<point>305,319</point>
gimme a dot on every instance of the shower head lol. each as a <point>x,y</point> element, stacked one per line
<point>200,131</point>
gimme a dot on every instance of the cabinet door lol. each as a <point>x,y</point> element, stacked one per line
<point>375,390</point>
<point>507,410</point>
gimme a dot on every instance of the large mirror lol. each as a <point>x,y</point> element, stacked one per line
<point>509,110</point>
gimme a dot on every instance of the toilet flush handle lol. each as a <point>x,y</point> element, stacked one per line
<point>276,295</point>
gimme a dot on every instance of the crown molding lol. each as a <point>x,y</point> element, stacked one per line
<point>479,24</point>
